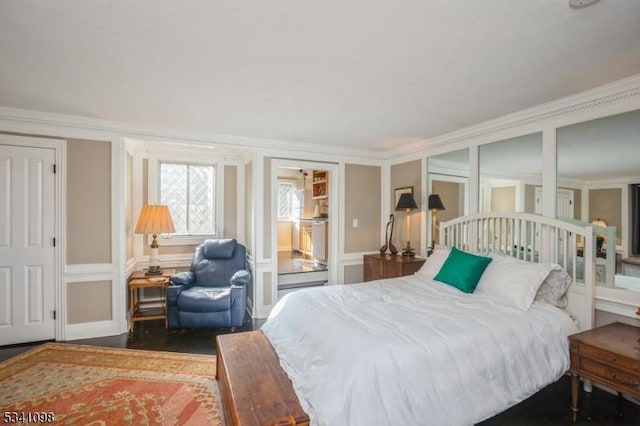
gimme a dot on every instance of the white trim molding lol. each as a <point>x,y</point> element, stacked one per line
<point>617,301</point>
<point>88,330</point>
<point>28,121</point>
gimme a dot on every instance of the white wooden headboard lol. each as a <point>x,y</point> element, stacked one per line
<point>534,238</point>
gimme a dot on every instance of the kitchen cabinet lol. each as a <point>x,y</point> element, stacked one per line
<point>305,238</point>
<point>320,185</point>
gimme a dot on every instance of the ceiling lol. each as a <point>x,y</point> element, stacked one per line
<point>369,74</point>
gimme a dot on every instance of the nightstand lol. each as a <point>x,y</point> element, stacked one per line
<point>146,310</point>
<point>609,355</point>
<point>379,266</point>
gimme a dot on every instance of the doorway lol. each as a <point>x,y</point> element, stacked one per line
<point>29,192</point>
<point>303,200</point>
<point>302,229</point>
<point>564,202</point>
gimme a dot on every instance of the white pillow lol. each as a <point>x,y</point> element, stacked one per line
<point>433,263</point>
<point>512,280</point>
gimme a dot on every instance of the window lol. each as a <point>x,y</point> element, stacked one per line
<point>189,191</point>
<point>289,201</point>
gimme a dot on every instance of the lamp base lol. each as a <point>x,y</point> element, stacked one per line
<point>153,270</point>
<point>408,252</point>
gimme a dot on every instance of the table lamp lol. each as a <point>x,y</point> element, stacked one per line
<point>154,220</point>
<point>434,204</point>
<point>407,203</point>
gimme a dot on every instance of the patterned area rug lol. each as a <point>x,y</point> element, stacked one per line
<point>105,386</point>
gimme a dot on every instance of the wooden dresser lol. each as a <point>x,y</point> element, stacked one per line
<point>609,355</point>
<point>379,266</point>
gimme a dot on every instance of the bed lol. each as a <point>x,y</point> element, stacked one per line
<point>414,350</point>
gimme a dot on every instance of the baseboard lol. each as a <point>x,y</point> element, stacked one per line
<point>90,330</point>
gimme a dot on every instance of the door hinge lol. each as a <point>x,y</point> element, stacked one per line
<point>54,169</point>
<point>54,241</point>
<point>54,314</point>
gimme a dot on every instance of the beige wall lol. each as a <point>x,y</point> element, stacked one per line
<point>401,175</point>
<point>266,288</point>
<point>88,202</point>
<point>88,302</point>
<point>577,204</point>
<point>285,235</point>
<point>128,196</point>
<point>530,198</point>
<point>248,206</point>
<point>353,274</point>
<point>362,193</point>
<point>503,199</point>
<point>230,202</point>
<point>606,204</point>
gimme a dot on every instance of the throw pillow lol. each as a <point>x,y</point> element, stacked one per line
<point>462,270</point>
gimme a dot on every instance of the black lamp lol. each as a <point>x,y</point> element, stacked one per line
<point>434,204</point>
<point>407,203</point>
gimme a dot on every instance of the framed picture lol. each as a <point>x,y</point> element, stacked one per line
<point>399,191</point>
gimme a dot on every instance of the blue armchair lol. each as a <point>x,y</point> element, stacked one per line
<point>214,292</point>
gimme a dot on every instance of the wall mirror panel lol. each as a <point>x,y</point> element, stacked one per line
<point>511,175</point>
<point>511,181</point>
<point>448,178</point>
<point>599,166</point>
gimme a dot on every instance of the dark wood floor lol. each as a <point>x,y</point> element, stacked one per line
<point>548,407</point>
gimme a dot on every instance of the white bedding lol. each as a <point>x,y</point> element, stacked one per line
<point>411,351</point>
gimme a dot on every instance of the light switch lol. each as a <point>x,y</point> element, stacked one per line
<point>355,223</point>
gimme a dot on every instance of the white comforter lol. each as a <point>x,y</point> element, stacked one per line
<point>411,351</point>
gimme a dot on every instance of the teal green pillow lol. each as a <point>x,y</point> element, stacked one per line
<point>462,270</point>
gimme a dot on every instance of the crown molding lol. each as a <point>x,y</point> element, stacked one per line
<point>64,125</point>
<point>620,91</point>
<point>41,122</point>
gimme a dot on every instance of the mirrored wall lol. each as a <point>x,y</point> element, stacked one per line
<point>448,183</point>
<point>598,179</point>
<point>511,175</point>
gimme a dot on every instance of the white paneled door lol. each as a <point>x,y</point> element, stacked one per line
<point>26,244</point>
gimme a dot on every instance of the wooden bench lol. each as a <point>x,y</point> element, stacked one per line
<point>253,387</point>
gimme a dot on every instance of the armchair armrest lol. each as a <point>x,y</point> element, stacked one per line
<point>240,278</point>
<point>182,279</point>
<point>177,283</point>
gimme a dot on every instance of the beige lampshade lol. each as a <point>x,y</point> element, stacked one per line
<point>155,219</point>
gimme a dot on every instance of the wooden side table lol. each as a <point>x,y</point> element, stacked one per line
<point>379,266</point>
<point>609,355</point>
<point>146,310</point>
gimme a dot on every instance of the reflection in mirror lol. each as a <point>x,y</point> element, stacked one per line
<point>598,164</point>
<point>448,176</point>
<point>511,175</point>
